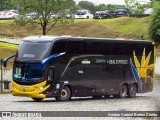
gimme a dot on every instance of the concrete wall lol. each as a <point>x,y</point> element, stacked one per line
<point>157,66</point>
<point>10,40</point>
<point>7,78</point>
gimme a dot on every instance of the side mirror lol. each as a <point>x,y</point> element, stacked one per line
<point>6,60</point>
<point>45,61</point>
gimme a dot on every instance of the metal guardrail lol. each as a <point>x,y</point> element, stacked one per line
<point>11,40</point>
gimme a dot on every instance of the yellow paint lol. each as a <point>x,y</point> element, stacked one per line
<point>154,57</point>
<point>144,69</point>
<point>138,66</point>
<point>34,91</point>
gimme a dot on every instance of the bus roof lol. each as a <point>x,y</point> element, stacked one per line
<point>55,38</point>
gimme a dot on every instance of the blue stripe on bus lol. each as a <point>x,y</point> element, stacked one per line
<point>45,61</point>
<point>135,73</point>
<point>6,60</point>
<point>136,76</point>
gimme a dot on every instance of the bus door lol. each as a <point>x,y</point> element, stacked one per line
<point>51,77</point>
<point>51,74</point>
<point>80,81</point>
<point>89,80</point>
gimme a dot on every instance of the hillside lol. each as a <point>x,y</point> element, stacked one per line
<point>135,28</point>
<point>7,50</point>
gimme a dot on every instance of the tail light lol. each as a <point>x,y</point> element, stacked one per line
<point>9,13</point>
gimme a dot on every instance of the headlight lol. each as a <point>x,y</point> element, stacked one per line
<point>40,88</point>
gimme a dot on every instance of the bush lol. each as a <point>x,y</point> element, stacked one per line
<point>154,27</point>
<point>21,21</point>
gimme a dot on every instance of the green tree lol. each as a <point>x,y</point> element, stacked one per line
<point>136,7</point>
<point>87,5</point>
<point>110,7</point>
<point>44,8</point>
<point>154,27</point>
<point>7,4</point>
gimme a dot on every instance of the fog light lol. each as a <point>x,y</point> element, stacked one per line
<point>57,86</point>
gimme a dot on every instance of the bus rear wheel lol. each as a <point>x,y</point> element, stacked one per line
<point>37,99</point>
<point>65,94</point>
<point>132,91</point>
<point>123,91</point>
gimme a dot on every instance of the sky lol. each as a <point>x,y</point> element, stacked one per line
<point>118,2</point>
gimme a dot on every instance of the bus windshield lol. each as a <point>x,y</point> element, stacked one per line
<point>33,50</point>
<point>27,72</point>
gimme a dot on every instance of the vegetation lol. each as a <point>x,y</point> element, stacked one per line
<point>154,27</point>
<point>135,28</point>
<point>87,5</point>
<point>7,4</point>
<point>109,7</point>
<point>8,49</point>
<point>44,10</point>
<point>135,7</point>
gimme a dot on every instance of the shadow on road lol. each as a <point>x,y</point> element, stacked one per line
<point>88,99</point>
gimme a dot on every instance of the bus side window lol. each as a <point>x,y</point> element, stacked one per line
<point>104,48</point>
<point>51,74</point>
<point>59,47</point>
<point>75,47</point>
<point>91,48</point>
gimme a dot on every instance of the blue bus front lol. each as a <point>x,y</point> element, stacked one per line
<point>31,75</point>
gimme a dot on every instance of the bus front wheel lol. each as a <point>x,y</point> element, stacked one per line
<point>37,99</point>
<point>65,94</point>
<point>123,91</point>
<point>132,91</point>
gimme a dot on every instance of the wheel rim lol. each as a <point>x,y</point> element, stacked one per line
<point>64,93</point>
<point>123,91</point>
<point>132,90</point>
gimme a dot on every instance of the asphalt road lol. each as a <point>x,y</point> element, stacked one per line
<point>143,102</point>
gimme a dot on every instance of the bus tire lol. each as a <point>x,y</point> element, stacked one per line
<point>123,91</point>
<point>132,91</point>
<point>37,99</point>
<point>65,94</point>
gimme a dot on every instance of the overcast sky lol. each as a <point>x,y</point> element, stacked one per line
<point>119,2</point>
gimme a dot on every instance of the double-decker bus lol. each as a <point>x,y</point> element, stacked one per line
<point>63,67</point>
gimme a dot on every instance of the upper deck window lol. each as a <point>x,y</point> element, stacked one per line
<point>34,50</point>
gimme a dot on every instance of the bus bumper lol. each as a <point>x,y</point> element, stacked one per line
<point>33,91</point>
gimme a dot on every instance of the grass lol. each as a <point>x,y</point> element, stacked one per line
<point>10,46</point>
<point>135,28</point>
<point>7,50</point>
